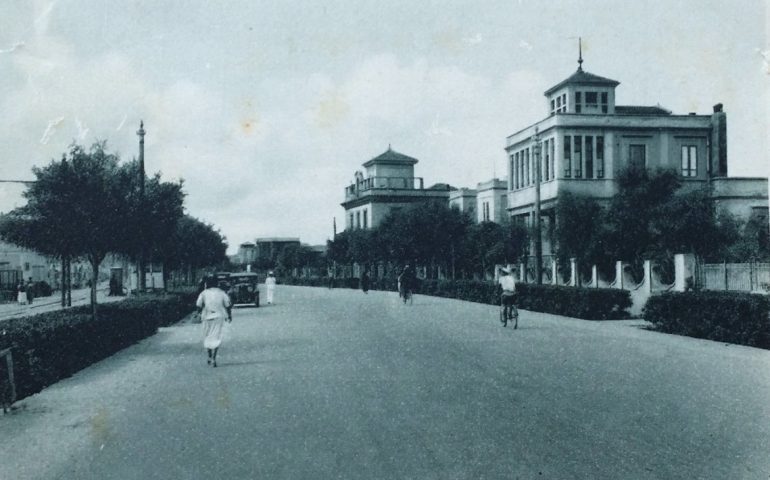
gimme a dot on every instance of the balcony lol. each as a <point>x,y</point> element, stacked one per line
<point>383,183</point>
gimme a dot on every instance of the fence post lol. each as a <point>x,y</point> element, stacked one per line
<point>594,276</point>
<point>724,267</point>
<point>573,273</point>
<point>554,272</point>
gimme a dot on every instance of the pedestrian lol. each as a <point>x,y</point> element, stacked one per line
<point>214,307</point>
<point>21,294</point>
<point>365,281</point>
<point>270,284</point>
<point>30,290</point>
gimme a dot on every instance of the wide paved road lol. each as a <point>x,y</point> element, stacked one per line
<point>338,384</point>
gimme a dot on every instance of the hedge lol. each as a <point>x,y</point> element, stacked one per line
<point>577,302</point>
<point>54,345</point>
<point>733,317</point>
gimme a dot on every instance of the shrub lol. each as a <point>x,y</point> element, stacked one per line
<point>53,345</point>
<point>733,317</point>
<point>585,303</point>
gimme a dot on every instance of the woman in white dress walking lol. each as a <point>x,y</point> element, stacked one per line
<point>214,306</point>
<point>270,284</point>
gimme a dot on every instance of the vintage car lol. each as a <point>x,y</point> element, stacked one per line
<point>242,288</point>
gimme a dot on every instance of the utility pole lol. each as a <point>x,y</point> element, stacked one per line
<point>538,236</point>
<point>140,266</point>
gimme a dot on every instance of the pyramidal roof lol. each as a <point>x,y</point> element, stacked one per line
<point>391,157</point>
<point>581,77</point>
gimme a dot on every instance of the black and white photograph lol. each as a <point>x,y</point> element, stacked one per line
<point>495,239</point>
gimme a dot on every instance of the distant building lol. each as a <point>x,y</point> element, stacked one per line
<point>586,139</point>
<point>388,184</point>
<point>491,201</point>
<point>247,254</point>
<point>268,249</point>
<point>464,199</point>
<point>18,262</point>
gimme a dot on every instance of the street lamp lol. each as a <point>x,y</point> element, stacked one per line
<point>141,280</point>
<point>538,240</point>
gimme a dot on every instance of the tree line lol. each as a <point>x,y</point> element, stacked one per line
<point>653,216</point>
<point>87,205</point>
<point>433,235</point>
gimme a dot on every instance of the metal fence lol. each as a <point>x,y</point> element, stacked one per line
<point>747,277</point>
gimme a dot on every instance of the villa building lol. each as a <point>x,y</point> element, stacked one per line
<point>388,184</point>
<point>587,139</point>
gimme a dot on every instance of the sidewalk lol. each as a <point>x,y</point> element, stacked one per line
<point>80,296</point>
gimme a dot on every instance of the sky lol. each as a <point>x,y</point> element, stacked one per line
<point>266,109</point>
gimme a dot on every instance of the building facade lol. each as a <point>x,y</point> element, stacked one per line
<point>464,199</point>
<point>587,139</point>
<point>492,201</point>
<point>387,184</point>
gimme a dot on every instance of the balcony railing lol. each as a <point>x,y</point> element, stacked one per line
<point>390,183</point>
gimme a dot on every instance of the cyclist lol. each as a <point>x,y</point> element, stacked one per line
<point>406,282</point>
<point>508,297</point>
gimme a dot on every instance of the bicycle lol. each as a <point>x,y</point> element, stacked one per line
<point>508,311</point>
<point>405,293</point>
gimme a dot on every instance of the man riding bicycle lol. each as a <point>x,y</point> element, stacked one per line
<point>508,297</point>
<point>406,283</point>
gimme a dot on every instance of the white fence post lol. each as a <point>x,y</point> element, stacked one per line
<point>619,274</point>
<point>573,274</point>
<point>594,276</point>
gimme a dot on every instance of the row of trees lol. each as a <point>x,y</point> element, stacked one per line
<point>87,205</point>
<point>653,216</point>
<point>433,235</point>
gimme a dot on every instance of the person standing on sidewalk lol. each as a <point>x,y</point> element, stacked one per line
<point>365,281</point>
<point>30,290</point>
<point>214,307</point>
<point>21,294</point>
<point>270,284</point>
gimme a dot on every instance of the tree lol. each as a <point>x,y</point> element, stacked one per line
<point>578,231</point>
<point>197,245</point>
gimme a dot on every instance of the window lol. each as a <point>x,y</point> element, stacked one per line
<point>578,101</point>
<point>366,223</point>
<point>26,266</point>
<point>599,156</point>
<point>604,102</point>
<point>589,156</point>
<point>512,173</point>
<point>351,221</point>
<point>578,156</point>
<point>567,157</point>
<point>546,164</point>
<point>553,158</point>
<point>637,156</point>
<point>516,170</point>
<point>591,99</point>
<point>559,103</point>
<point>358,219</point>
<point>526,167</point>
<point>689,161</point>
<point>485,211</point>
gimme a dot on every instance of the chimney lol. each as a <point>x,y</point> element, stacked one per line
<point>719,141</point>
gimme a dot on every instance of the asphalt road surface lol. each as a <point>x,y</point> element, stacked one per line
<point>337,384</point>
